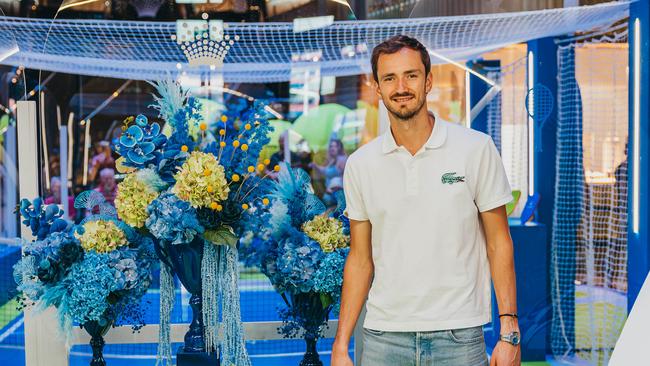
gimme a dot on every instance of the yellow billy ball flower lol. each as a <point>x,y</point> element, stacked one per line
<point>235,177</point>
<point>265,201</point>
<point>247,126</point>
<point>235,143</point>
<point>222,144</point>
<point>244,206</point>
<point>267,161</point>
<point>222,132</point>
<point>251,169</point>
<point>184,148</point>
<point>224,118</point>
<point>276,168</point>
<point>203,126</point>
<point>244,147</point>
<point>260,167</point>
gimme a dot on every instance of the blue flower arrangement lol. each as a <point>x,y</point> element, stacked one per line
<point>102,283</point>
<point>212,182</point>
<point>302,249</point>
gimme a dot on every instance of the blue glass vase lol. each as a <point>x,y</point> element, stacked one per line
<point>309,312</point>
<point>97,331</point>
<point>185,262</point>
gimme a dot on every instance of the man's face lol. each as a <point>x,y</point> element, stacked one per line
<point>402,84</point>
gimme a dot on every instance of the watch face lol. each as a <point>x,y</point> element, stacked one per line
<point>515,339</point>
<point>512,338</point>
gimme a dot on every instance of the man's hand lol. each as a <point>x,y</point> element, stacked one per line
<point>340,357</point>
<point>505,354</point>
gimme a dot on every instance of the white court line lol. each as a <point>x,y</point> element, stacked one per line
<point>12,329</point>
<point>152,357</point>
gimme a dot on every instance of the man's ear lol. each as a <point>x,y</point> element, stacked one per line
<point>375,85</point>
<point>429,82</point>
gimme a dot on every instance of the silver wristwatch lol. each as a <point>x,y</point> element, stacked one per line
<point>513,338</point>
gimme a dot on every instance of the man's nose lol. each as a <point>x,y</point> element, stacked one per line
<point>401,85</point>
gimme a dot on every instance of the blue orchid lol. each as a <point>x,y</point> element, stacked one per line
<point>141,120</point>
<point>131,137</point>
<point>138,144</point>
<point>42,220</point>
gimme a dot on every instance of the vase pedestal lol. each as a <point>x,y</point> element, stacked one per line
<point>184,358</point>
<point>311,355</point>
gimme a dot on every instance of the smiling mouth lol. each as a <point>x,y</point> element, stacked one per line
<point>402,99</point>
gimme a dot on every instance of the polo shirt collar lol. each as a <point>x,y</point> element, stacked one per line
<point>436,139</point>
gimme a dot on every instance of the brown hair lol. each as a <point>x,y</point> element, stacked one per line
<point>396,43</point>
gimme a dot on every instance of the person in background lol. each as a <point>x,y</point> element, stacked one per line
<point>107,185</point>
<point>101,160</point>
<point>332,171</point>
<point>55,197</point>
<point>278,157</point>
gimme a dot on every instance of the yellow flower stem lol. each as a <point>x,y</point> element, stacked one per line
<point>255,186</point>
<point>241,185</point>
<point>221,138</point>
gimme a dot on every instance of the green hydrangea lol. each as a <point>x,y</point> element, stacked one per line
<point>134,194</point>
<point>101,236</point>
<point>201,181</point>
<point>326,231</point>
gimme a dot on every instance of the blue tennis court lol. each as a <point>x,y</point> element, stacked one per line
<point>259,303</point>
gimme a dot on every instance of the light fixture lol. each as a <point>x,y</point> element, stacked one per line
<point>636,119</point>
<point>531,126</point>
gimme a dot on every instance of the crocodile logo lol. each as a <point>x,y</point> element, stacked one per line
<point>451,178</point>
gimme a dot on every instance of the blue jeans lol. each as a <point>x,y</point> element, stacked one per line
<point>457,347</point>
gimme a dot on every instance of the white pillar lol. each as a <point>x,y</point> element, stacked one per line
<point>44,346</point>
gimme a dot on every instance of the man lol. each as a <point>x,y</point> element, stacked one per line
<point>428,224</point>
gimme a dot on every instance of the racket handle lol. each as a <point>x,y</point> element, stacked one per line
<point>538,137</point>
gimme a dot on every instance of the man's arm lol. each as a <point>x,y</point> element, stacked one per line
<point>502,266</point>
<point>357,276</point>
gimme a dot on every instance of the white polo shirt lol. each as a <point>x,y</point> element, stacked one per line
<point>428,247</point>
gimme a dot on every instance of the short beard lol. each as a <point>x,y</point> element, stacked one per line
<point>407,115</point>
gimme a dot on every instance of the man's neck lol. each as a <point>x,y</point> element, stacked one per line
<point>413,133</point>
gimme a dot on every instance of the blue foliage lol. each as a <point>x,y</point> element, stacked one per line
<point>239,115</point>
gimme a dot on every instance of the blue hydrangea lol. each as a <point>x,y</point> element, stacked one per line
<point>173,220</point>
<point>329,276</point>
<point>54,255</point>
<point>89,284</point>
<point>298,258</point>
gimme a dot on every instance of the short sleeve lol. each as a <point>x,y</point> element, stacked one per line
<point>492,189</point>
<point>355,209</point>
